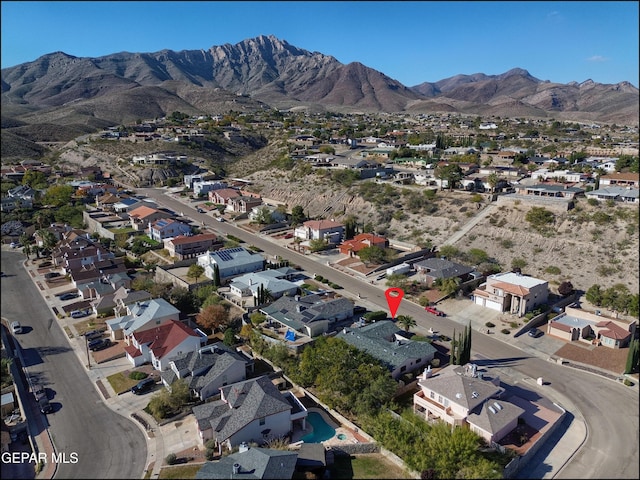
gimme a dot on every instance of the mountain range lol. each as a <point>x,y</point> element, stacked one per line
<point>265,72</point>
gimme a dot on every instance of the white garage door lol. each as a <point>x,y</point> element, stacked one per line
<point>493,305</point>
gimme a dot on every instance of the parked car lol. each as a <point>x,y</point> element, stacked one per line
<point>99,344</point>
<point>93,334</point>
<point>51,275</point>
<point>220,219</point>
<point>143,386</point>
<point>289,235</point>
<point>434,311</point>
<point>359,309</point>
<point>199,210</point>
<point>80,313</point>
<point>535,333</point>
<point>45,406</point>
<point>69,296</point>
<point>39,392</point>
<point>16,327</point>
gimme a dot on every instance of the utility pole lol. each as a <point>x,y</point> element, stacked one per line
<point>86,343</point>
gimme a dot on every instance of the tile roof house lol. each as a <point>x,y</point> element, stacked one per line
<point>110,303</point>
<point>162,343</point>
<point>386,342</point>
<point>576,324</point>
<point>320,229</point>
<point>230,262</point>
<point>244,203</point>
<point>141,217</point>
<point>250,411</point>
<point>441,268</point>
<point>461,397</point>
<point>95,271</point>
<point>310,315</point>
<point>360,241</point>
<point>142,316</point>
<point>253,463</point>
<point>511,292</point>
<point>273,280</point>
<point>183,246</point>
<point>164,228</point>
<point>207,369</point>
<point>223,196</point>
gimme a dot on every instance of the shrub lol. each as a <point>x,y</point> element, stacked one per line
<point>377,315</point>
<point>435,363</point>
<point>210,454</point>
<point>506,331</point>
<point>171,459</point>
<point>489,325</point>
<point>513,324</point>
<point>628,382</point>
<point>318,278</point>
<point>553,270</point>
<point>138,375</point>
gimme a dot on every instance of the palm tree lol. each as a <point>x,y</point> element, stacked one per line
<point>406,321</point>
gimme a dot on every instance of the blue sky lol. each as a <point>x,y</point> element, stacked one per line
<point>412,42</point>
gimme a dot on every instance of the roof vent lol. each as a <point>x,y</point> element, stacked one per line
<point>236,468</point>
<point>474,394</point>
<point>458,395</point>
<point>492,410</point>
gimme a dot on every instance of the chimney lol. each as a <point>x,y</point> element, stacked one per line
<point>236,468</point>
<point>243,447</point>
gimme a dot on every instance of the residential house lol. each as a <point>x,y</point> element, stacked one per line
<point>273,281</point>
<point>203,187</point>
<point>207,369</point>
<point>165,228</point>
<point>129,204</point>
<point>244,203</point>
<point>277,215</point>
<point>615,194</point>
<point>386,342</point>
<point>57,229</point>
<point>253,463</point>
<point>183,247</point>
<point>360,241</point>
<point>95,271</point>
<point>593,328</point>
<point>110,303</point>
<point>328,230</point>
<point>106,285</point>
<point>619,179</point>
<point>162,343</point>
<point>141,217</point>
<point>512,292</point>
<point>79,253</point>
<point>107,201</point>
<point>461,397</point>
<point>223,196</point>
<point>443,269</point>
<point>9,204</point>
<point>550,190</point>
<point>562,176</point>
<point>309,315</point>
<point>141,316</point>
<point>250,411</point>
<point>230,262</point>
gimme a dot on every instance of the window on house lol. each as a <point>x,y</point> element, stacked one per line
<point>262,421</point>
<point>439,398</point>
<point>432,395</point>
<point>403,368</point>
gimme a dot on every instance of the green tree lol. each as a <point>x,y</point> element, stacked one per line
<point>195,271</point>
<point>216,275</point>
<point>396,280</point>
<point>317,244</point>
<point>447,285</point>
<point>540,218</point>
<point>633,356</point>
<point>594,295</point>
<point>264,216</point>
<point>48,239</point>
<point>58,195</point>
<point>406,321</point>
<point>372,254</point>
<point>34,179</point>
<point>451,173</point>
<point>297,215</point>
<point>493,179</point>
<point>213,317</point>
<point>518,264</point>
<point>180,394</point>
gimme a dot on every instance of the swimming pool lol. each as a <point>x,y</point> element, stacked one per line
<point>321,430</point>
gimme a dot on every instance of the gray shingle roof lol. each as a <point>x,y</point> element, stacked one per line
<point>494,415</point>
<point>311,308</point>
<point>442,268</point>
<point>255,463</point>
<point>380,339</point>
<point>245,402</point>
<point>470,392</point>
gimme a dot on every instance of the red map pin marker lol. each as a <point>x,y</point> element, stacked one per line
<point>394,297</point>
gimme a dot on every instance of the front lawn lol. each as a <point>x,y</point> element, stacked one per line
<point>121,383</point>
<point>365,466</point>
<point>182,471</point>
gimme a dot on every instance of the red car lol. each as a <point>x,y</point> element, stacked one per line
<point>435,311</point>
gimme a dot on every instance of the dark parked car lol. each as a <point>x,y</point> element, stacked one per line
<point>143,386</point>
<point>68,296</point>
<point>535,333</point>
<point>39,392</point>
<point>199,210</point>
<point>99,344</point>
<point>51,275</point>
<point>93,334</point>
<point>45,406</point>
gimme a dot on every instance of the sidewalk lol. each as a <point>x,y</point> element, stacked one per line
<point>98,374</point>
